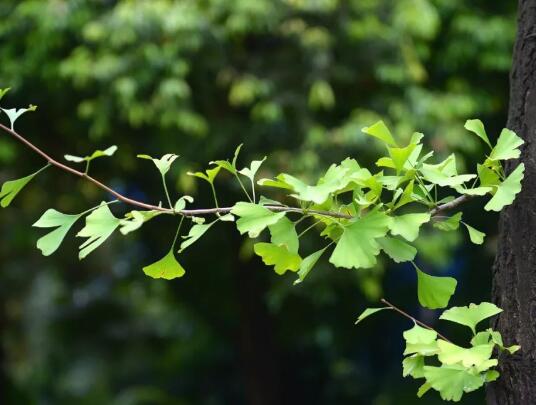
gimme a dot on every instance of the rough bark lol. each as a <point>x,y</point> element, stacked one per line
<point>514,273</point>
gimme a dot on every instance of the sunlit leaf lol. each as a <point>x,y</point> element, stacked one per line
<point>196,232</point>
<point>475,235</point>
<point>448,224</point>
<point>452,381</point>
<point>450,353</point>
<point>477,127</point>
<point>134,220</point>
<point>100,225</point>
<point>163,164</point>
<point>471,315</point>
<point>507,146</point>
<point>368,312</point>
<point>14,113</point>
<point>434,292</point>
<point>358,245</point>
<point>397,249</point>
<point>254,218</point>
<point>277,256</point>
<point>408,225</point>
<point>49,243</point>
<point>307,265</point>
<point>507,190</point>
<point>168,268</point>
<point>380,131</point>
<point>98,153</point>
<point>283,232</point>
<point>11,188</point>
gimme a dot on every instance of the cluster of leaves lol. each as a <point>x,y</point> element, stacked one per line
<point>446,367</point>
<point>358,212</point>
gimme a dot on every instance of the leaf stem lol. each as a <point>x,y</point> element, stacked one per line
<point>308,229</point>
<point>214,195</point>
<point>177,233</point>
<point>166,191</point>
<point>415,320</point>
<point>243,188</point>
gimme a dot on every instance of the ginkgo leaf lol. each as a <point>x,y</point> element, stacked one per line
<point>452,381</point>
<point>225,164</point>
<point>98,153</point>
<point>358,245</point>
<point>413,365</point>
<point>3,92</point>
<point>49,243</point>
<point>397,249</point>
<point>277,256</point>
<point>168,268</point>
<point>477,127</point>
<point>434,292</point>
<point>283,232</point>
<point>400,156</point>
<point>474,191</point>
<point>196,232</point>
<point>450,353</point>
<point>134,220</point>
<point>14,113</point>
<point>163,164</point>
<point>380,131</point>
<point>100,225</point>
<point>254,218</point>
<point>408,225</point>
<point>251,171</point>
<point>475,235</point>
<point>448,224</point>
<point>487,176</point>
<point>209,175</point>
<point>507,190</point>
<point>471,315</point>
<point>307,265</point>
<point>368,312</point>
<point>181,203</point>
<point>420,341</point>
<point>11,188</point>
<point>507,146</point>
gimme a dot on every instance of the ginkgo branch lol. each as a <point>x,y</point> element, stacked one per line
<point>202,211</point>
<point>420,323</point>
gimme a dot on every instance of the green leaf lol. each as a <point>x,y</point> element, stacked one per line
<point>421,341</point>
<point>368,312</point>
<point>209,175</point>
<point>423,389</point>
<point>14,113</point>
<point>3,92</point>
<point>181,203</point>
<point>307,265</point>
<point>100,225</point>
<point>251,171</point>
<point>284,233</point>
<point>254,218</point>
<point>196,232</point>
<point>134,220</point>
<point>492,375</point>
<point>225,164</point>
<point>507,190</point>
<point>397,249</point>
<point>163,164</point>
<point>476,236</point>
<point>452,381</point>
<point>450,353</point>
<point>98,153</point>
<point>507,146</point>
<point>487,176</point>
<point>168,268</point>
<point>49,243</point>
<point>434,292</point>
<point>277,256</point>
<point>380,131</point>
<point>11,188</point>
<point>470,316</point>
<point>445,173</point>
<point>400,156</point>
<point>450,224</point>
<point>408,225</point>
<point>413,366</point>
<point>358,245</point>
<point>477,127</point>
<point>479,191</point>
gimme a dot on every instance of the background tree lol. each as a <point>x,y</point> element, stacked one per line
<point>514,278</point>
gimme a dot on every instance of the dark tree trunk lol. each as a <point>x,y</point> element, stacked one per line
<point>514,274</point>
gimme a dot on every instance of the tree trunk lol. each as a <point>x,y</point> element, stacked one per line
<point>514,273</point>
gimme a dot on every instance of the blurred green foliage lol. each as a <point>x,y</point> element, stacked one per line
<point>292,79</point>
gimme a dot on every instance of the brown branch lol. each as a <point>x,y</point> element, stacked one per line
<point>194,212</point>
<point>403,313</point>
<point>451,205</point>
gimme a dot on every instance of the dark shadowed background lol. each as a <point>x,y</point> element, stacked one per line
<point>295,80</point>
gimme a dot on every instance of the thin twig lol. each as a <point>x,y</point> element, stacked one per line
<point>195,212</point>
<point>401,312</point>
